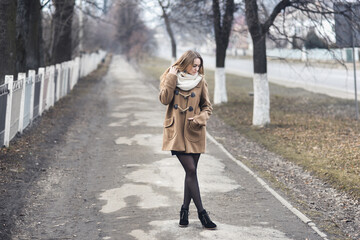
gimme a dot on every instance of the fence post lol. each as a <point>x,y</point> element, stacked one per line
<point>52,87</point>
<point>58,82</point>
<point>9,79</point>
<point>41,73</point>
<point>93,62</point>
<point>32,74</point>
<point>83,64</point>
<point>77,71</point>
<point>64,66</point>
<point>81,59</point>
<point>48,90</point>
<point>72,74</point>
<point>66,78</point>
<point>22,76</point>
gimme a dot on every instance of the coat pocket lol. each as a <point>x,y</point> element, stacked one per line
<point>195,132</point>
<point>169,127</point>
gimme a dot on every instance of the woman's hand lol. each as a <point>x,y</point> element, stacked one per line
<point>173,70</point>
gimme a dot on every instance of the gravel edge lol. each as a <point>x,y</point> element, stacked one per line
<point>334,212</point>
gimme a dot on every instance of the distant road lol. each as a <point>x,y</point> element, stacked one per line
<point>336,82</point>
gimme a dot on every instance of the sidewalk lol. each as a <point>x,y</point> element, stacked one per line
<point>146,202</point>
<point>110,179</point>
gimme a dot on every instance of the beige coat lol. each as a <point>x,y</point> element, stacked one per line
<point>181,134</point>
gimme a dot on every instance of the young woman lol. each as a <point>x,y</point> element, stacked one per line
<point>184,89</point>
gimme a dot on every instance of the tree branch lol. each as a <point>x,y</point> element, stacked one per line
<point>229,16</point>
<point>42,6</point>
<point>280,6</point>
<point>264,10</point>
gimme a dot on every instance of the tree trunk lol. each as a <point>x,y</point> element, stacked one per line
<point>220,52</point>
<point>169,31</point>
<point>259,54</point>
<point>29,35</point>
<point>220,93</point>
<point>172,38</point>
<point>222,31</point>
<point>7,38</point>
<point>62,20</point>
<point>261,114</point>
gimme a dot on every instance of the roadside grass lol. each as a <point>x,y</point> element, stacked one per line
<point>315,131</point>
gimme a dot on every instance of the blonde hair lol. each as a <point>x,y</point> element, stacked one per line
<point>183,62</point>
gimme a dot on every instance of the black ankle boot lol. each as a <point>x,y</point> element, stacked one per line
<point>205,220</point>
<point>184,217</point>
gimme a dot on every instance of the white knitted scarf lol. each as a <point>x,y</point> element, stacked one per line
<point>187,81</point>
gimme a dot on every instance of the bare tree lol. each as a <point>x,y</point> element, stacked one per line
<point>7,38</point>
<point>259,26</point>
<point>196,17</point>
<point>223,20</point>
<point>182,19</point>
<point>61,47</point>
<point>165,8</point>
<point>92,28</point>
<point>96,28</point>
<point>134,38</point>
<point>258,30</point>
<point>29,35</point>
<point>21,42</point>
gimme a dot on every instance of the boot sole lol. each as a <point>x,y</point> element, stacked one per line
<point>209,228</point>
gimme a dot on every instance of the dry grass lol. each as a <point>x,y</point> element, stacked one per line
<point>313,130</point>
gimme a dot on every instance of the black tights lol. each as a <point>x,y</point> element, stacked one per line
<point>191,186</point>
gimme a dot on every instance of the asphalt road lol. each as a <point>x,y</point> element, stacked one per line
<point>333,80</point>
<point>109,179</point>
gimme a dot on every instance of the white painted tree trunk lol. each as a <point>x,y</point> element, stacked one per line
<point>220,95</point>
<point>261,115</point>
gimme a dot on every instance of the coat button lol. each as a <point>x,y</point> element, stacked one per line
<point>176,106</point>
<point>176,92</point>
<point>193,94</point>
<point>190,109</point>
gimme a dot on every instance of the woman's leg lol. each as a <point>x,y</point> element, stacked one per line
<point>187,193</point>
<point>191,186</point>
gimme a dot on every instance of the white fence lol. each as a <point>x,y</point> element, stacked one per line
<point>26,98</point>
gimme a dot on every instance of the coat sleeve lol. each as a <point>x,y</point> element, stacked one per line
<point>205,106</point>
<point>167,89</point>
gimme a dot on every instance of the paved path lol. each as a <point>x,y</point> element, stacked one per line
<point>110,179</point>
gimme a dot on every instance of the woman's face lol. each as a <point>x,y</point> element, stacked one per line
<point>194,68</point>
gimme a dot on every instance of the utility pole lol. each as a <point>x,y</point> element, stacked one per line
<point>347,34</point>
<point>353,51</point>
